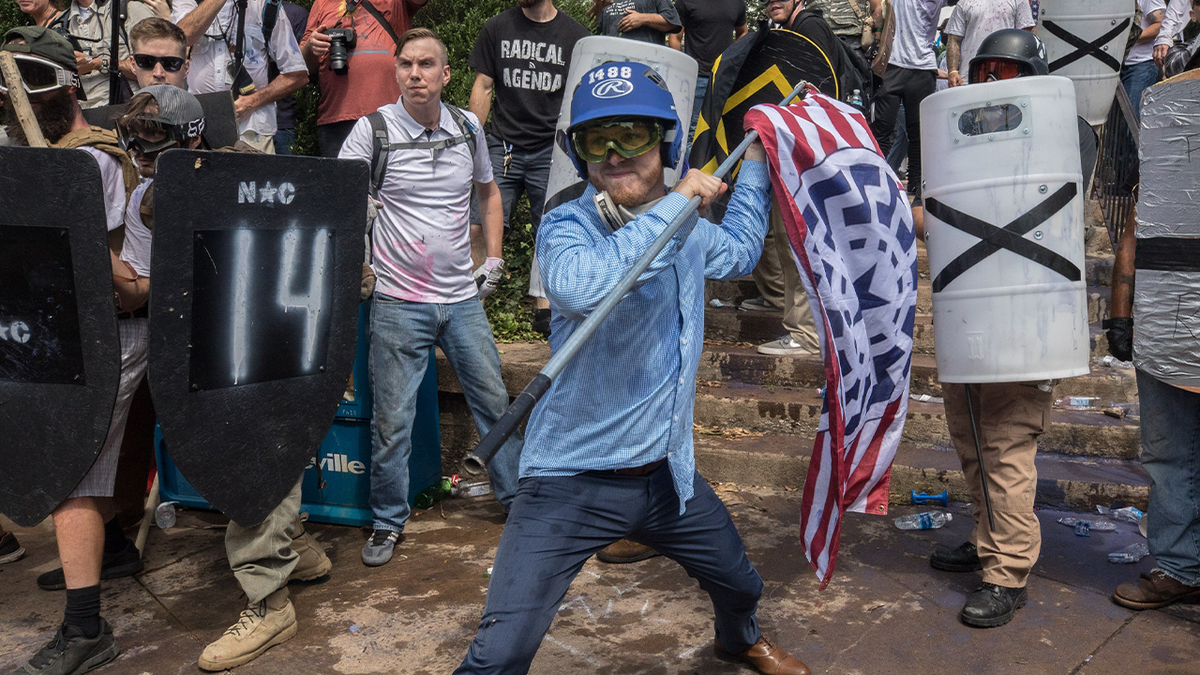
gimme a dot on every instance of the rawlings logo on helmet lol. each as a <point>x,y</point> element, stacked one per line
<point>612,89</point>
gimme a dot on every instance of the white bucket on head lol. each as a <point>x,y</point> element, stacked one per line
<point>676,68</point>
<point>1001,154</point>
<point>1087,20</point>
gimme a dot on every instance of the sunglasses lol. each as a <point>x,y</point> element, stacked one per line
<point>628,138</point>
<point>39,75</point>
<point>171,64</point>
<point>991,70</point>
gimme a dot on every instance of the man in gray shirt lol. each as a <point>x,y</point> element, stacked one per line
<point>645,20</point>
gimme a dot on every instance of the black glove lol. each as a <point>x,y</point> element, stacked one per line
<point>1120,337</point>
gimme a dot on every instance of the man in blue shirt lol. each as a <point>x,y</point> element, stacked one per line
<point>608,451</point>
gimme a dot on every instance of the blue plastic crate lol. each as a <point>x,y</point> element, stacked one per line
<point>337,482</point>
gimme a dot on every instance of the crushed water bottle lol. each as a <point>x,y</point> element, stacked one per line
<point>1093,525</point>
<point>927,520</point>
<point>1130,554</point>
<point>476,489</point>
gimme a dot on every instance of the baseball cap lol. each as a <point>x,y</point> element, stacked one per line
<point>176,107</point>
<point>43,42</point>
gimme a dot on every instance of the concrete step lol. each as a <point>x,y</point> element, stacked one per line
<point>773,410</point>
<point>723,363</point>
<point>782,461</point>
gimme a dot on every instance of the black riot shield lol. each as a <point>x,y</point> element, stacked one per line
<point>253,316</point>
<point>60,357</point>
<point>220,123</point>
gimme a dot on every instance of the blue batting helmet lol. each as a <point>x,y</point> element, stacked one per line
<point>626,89</point>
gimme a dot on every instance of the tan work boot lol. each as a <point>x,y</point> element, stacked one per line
<point>261,626</point>
<point>625,551</point>
<point>313,563</point>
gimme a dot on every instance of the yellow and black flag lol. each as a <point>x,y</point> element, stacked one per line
<point>762,67</point>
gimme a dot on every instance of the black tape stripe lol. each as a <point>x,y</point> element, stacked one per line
<point>1084,48</point>
<point>993,239</point>
<point>1168,254</point>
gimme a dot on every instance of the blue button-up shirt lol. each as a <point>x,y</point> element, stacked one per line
<point>627,397</point>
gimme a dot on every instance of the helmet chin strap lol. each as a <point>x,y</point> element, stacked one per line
<point>615,216</point>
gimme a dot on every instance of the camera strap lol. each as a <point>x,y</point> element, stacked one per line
<point>378,16</point>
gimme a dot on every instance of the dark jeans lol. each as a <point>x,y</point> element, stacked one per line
<point>284,140</point>
<point>1171,456</point>
<point>911,87</point>
<point>557,523</point>
<point>331,136</point>
<point>1137,78</point>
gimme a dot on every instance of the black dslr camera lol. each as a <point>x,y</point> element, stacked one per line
<point>340,40</point>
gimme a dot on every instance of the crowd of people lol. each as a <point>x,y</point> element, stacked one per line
<point>443,193</point>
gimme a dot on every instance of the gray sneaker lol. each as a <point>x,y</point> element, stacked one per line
<point>759,304</point>
<point>378,549</point>
<point>784,346</point>
<point>70,653</point>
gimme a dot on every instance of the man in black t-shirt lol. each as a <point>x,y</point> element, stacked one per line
<point>523,55</point>
<point>710,26</point>
<point>285,108</point>
<point>645,20</point>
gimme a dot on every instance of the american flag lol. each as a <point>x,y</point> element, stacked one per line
<point>851,232</point>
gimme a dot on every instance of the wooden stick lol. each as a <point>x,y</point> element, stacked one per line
<point>16,93</point>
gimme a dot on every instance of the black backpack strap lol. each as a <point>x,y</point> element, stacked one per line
<point>269,18</point>
<point>379,150</point>
<point>468,129</point>
<point>366,4</point>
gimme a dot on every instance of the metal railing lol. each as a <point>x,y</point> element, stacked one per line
<point>1117,166</point>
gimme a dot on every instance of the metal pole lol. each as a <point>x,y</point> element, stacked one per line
<point>987,496</point>
<point>504,427</point>
<point>114,54</point>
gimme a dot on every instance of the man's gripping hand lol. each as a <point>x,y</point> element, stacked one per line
<point>487,277</point>
<point>699,184</point>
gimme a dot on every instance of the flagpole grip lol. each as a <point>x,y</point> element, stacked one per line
<point>507,424</point>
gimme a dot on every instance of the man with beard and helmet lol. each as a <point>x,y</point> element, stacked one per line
<point>47,65</point>
<point>608,450</point>
<point>1009,416</point>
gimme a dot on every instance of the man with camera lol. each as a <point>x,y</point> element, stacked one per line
<point>216,35</point>
<point>87,24</point>
<point>349,45</point>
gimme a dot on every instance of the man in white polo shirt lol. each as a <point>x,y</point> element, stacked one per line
<point>425,293</point>
<point>211,27</point>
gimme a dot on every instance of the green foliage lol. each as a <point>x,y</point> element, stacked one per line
<point>11,16</point>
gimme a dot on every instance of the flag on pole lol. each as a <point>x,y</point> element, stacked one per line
<point>851,233</point>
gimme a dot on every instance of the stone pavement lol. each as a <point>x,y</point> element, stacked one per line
<point>885,611</point>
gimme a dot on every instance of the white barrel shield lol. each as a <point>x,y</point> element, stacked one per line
<point>1085,41</point>
<point>1004,230</point>
<point>678,69</point>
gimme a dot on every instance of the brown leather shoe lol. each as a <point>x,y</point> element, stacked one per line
<point>766,657</point>
<point>625,551</point>
<point>1152,590</point>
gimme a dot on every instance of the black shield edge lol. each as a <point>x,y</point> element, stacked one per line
<point>56,431</point>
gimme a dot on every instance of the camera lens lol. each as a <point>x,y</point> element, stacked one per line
<point>340,40</point>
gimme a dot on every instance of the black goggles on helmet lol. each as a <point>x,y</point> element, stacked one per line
<point>148,137</point>
<point>171,64</point>
<point>39,75</point>
<point>628,137</point>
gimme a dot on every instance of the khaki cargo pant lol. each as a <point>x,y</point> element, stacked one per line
<point>261,557</point>
<point>778,280</point>
<point>1010,417</point>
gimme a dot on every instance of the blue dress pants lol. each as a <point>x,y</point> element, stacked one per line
<point>558,522</point>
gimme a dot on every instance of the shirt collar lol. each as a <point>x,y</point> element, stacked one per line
<point>415,129</point>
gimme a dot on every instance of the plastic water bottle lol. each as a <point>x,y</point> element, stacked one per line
<point>1130,554</point>
<point>927,520</point>
<point>856,98</point>
<point>476,489</point>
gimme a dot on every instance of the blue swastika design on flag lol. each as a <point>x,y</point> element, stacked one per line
<point>851,232</point>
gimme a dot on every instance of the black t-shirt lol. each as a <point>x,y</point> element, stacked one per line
<point>708,28</point>
<point>528,63</point>
<point>611,15</point>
